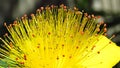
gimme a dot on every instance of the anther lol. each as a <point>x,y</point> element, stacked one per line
<point>11,45</point>
<point>16,58</point>
<point>112,36</point>
<point>98,29</point>
<point>89,16</point>
<point>105,25</point>
<point>21,62</point>
<point>75,8</point>
<point>25,58</point>
<point>52,6</point>
<point>105,29</point>
<point>57,58</point>
<point>38,46</point>
<point>98,52</point>
<point>70,57</point>
<point>77,47</point>
<point>32,15</point>
<point>49,33</point>
<point>25,15</point>
<point>5,24</point>
<point>6,34</point>
<point>86,14</point>
<point>63,55</point>
<point>42,8</point>
<point>93,16</point>
<point>64,7</point>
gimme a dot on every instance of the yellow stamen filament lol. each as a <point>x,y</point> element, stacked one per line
<point>54,38</point>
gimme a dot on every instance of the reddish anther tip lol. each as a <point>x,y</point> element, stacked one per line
<point>22,18</point>
<point>47,8</point>
<point>110,42</point>
<point>86,14</point>
<point>86,46</point>
<point>16,58</point>
<point>5,24</point>
<point>25,58</point>
<point>105,29</point>
<point>98,52</point>
<point>70,57</point>
<point>64,7</point>
<point>38,46</point>
<point>102,22</point>
<point>75,8</point>
<point>33,35</point>
<point>15,23</point>
<point>81,32</point>
<point>77,47</point>
<point>113,36</point>
<point>105,25</point>
<point>57,58</point>
<point>42,8</point>
<point>52,6</point>
<point>93,16</point>
<point>63,55</point>
<point>21,62</point>
<point>71,36</point>
<point>89,16</point>
<point>32,15</point>
<point>96,34</point>
<point>98,16</point>
<point>11,45</point>
<point>105,34</point>
<point>98,29</point>
<point>25,15</point>
<point>49,33</point>
<point>38,10</point>
<point>6,34</point>
<point>10,25</point>
<point>62,45</point>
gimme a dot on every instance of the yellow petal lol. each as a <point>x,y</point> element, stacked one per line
<point>108,54</point>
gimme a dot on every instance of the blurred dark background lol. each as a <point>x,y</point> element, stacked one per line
<point>108,10</point>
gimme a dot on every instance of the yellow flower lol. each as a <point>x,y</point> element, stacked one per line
<point>58,38</point>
